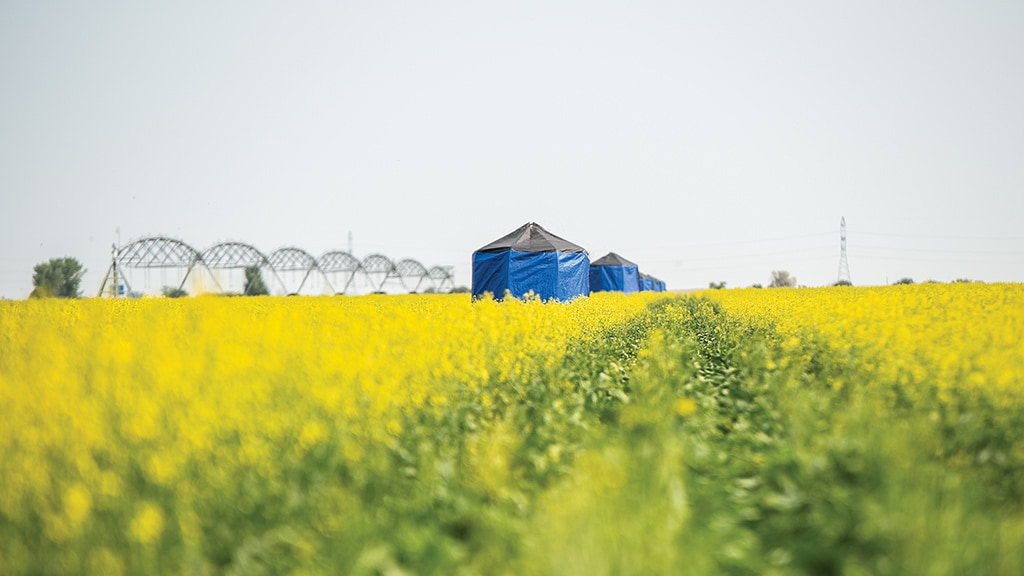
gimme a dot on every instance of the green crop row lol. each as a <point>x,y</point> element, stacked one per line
<point>680,439</point>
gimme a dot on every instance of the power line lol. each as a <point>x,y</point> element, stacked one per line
<point>746,265</point>
<point>940,237</point>
<point>741,242</point>
<point>739,256</point>
<point>933,250</point>
<point>758,241</point>
<point>917,259</point>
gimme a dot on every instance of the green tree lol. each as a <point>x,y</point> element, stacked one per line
<point>782,279</point>
<point>904,281</point>
<point>254,284</point>
<point>174,292</point>
<point>58,278</point>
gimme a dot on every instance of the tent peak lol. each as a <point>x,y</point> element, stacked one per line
<point>612,259</point>
<point>532,237</point>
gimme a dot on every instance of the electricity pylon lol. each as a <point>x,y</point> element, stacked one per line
<point>844,266</point>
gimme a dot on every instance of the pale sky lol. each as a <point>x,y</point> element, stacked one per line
<point>706,141</point>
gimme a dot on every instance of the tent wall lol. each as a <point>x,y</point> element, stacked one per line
<point>573,272</point>
<point>490,273</point>
<point>559,275</point>
<point>614,279</point>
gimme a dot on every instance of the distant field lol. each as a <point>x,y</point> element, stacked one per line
<point>781,431</point>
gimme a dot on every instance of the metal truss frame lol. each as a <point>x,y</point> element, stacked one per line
<point>411,269</point>
<point>378,266</point>
<point>152,252</point>
<point>291,259</point>
<point>233,255</point>
<point>166,252</point>
<point>338,262</point>
<point>442,278</point>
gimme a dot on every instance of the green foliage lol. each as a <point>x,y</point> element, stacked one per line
<point>843,283</point>
<point>716,285</point>
<point>684,441</point>
<point>906,281</point>
<point>800,463</point>
<point>173,292</point>
<point>688,442</point>
<point>57,278</point>
<point>254,284</point>
<point>782,279</point>
<point>458,509</point>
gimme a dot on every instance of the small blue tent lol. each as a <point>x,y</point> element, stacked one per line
<point>531,259</point>
<point>613,273</point>
<point>646,283</point>
<point>649,283</point>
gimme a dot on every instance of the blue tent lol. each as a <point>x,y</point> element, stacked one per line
<point>531,259</point>
<point>649,283</point>
<point>613,273</point>
<point>646,283</point>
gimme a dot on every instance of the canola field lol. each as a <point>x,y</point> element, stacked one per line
<point>784,431</point>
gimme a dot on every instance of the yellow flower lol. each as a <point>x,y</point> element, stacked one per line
<point>196,392</point>
<point>685,407</point>
<point>77,504</point>
<point>943,335</point>
<point>312,434</point>
<point>147,525</point>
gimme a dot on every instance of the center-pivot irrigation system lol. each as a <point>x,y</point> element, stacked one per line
<point>156,264</point>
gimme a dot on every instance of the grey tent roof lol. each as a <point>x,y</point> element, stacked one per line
<point>531,237</point>
<point>612,259</point>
